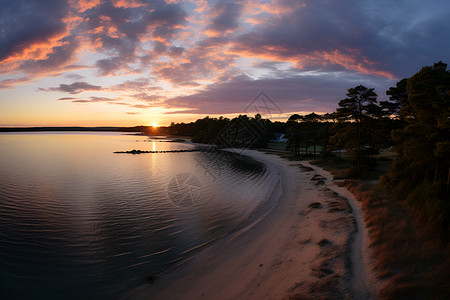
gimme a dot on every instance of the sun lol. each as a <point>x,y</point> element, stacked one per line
<point>154,124</point>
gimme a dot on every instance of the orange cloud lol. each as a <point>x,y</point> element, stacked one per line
<point>281,7</point>
<point>83,5</point>
<point>72,20</point>
<point>127,3</point>
<point>352,63</point>
<point>37,50</point>
<point>201,6</point>
<point>351,60</point>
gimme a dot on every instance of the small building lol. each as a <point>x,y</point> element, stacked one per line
<point>279,138</point>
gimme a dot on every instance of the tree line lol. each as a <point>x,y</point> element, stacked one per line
<point>241,131</point>
<point>414,123</point>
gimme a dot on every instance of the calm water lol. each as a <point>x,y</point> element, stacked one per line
<point>78,221</point>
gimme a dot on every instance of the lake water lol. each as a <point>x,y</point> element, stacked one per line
<point>78,221</point>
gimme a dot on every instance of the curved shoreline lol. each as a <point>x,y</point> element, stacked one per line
<point>256,215</point>
<point>294,250</point>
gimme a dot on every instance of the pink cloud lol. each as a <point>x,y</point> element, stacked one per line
<point>10,83</point>
<point>127,3</point>
<point>201,6</point>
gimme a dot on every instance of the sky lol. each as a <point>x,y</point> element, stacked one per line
<point>137,62</point>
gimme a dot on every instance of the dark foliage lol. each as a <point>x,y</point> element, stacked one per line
<point>421,172</point>
<point>242,131</point>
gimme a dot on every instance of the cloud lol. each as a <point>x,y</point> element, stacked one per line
<point>59,60</point>
<point>127,3</point>
<point>111,66</point>
<point>220,54</point>
<point>151,101</point>
<point>10,83</point>
<point>146,97</point>
<point>319,35</point>
<point>83,5</point>
<point>21,37</point>
<point>224,17</point>
<point>136,85</point>
<point>67,99</point>
<point>205,60</point>
<point>74,88</point>
<point>34,43</point>
<point>74,76</point>
<point>296,93</point>
<point>143,106</point>
<point>132,113</point>
<point>118,30</point>
<point>89,100</point>
<point>380,38</point>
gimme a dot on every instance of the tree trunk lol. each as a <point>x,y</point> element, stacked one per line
<point>448,179</point>
<point>435,172</point>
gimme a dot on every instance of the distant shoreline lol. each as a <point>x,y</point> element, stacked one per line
<point>71,128</point>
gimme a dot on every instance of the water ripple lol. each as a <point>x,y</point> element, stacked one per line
<point>78,221</point>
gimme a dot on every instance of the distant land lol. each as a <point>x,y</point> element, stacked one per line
<point>77,128</point>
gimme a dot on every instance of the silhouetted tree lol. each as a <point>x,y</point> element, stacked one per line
<point>422,169</point>
<point>356,129</point>
<point>308,130</point>
<point>398,98</point>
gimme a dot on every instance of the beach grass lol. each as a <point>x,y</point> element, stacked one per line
<point>411,259</point>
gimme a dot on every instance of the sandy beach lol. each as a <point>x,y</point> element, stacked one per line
<point>312,245</point>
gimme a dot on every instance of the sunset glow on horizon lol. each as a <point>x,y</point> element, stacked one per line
<point>127,63</point>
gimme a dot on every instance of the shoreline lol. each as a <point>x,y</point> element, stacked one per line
<point>299,249</point>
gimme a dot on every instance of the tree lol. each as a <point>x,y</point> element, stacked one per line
<point>308,130</point>
<point>312,127</point>
<point>356,129</point>
<point>398,99</point>
<point>421,171</point>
